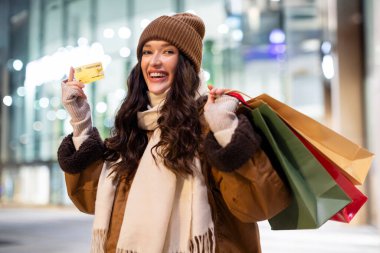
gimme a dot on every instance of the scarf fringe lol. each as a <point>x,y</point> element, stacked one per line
<point>99,237</point>
<point>203,243</point>
<point>199,244</point>
<point>125,251</point>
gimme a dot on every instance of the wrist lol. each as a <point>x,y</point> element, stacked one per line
<point>224,136</point>
<point>82,124</point>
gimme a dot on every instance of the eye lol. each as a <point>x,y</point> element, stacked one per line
<point>145,52</point>
<point>169,51</point>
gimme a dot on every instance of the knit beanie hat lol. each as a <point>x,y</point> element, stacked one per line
<point>184,30</point>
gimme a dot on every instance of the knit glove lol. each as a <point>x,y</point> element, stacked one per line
<point>222,119</point>
<point>79,111</point>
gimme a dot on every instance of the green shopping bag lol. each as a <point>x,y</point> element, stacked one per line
<point>317,197</point>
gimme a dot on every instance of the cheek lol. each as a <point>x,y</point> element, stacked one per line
<point>143,65</point>
<point>173,66</point>
<point>143,68</point>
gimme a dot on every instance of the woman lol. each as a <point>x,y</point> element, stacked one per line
<point>179,173</point>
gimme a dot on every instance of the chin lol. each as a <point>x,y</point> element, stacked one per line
<point>159,91</point>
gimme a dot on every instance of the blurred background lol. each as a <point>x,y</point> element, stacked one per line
<point>321,57</point>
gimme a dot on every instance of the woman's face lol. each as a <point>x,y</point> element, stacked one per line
<point>158,64</point>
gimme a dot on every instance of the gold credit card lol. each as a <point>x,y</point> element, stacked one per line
<point>89,73</point>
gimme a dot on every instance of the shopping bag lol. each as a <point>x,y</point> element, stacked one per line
<point>357,197</point>
<point>317,197</point>
<point>353,160</point>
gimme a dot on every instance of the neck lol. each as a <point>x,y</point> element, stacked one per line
<point>156,99</point>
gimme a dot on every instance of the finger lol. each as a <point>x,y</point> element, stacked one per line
<point>210,98</point>
<point>76,83</point>
<point>213,93</point>
<point>71,74</point>
<point>83,95</point>
<point>220,92</point>
<point>78,89</point>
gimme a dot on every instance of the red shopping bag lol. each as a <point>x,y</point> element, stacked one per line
<point>358,198</point>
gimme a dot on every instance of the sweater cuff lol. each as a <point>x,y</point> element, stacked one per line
<point>83,126</point>
<point>78,140</point>
<point>224,136</point>
<point>244,143</point>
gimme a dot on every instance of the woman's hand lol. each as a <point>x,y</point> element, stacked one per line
<point>72,89</point>
<point>220,114</point>
<point>214,93</point>
<point>73,98</point>
<point>75,102</point>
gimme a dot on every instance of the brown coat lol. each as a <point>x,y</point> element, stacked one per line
<point>243,187</point>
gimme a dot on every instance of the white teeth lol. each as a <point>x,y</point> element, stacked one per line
<point>155,74</point>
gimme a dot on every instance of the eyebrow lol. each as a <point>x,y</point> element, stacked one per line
<point>163,45</point>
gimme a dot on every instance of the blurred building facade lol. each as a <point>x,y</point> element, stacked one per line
<point>319,56</point>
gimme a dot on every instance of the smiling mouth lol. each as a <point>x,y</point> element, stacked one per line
<point>157,75</point>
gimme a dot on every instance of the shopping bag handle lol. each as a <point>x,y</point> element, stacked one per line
<point>238,95</point>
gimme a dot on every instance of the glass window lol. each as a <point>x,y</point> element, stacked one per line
<point>266,47</point>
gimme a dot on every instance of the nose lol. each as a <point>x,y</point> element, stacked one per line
<point>156,59</point>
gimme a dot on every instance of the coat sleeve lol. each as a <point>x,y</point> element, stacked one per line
<point>82,169</point>
<point>250,186</point>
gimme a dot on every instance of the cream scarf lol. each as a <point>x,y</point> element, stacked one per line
<point>164,213</point>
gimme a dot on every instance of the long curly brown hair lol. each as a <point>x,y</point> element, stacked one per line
<point>179,124</point>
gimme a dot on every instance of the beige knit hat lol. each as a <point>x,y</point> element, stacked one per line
<point>183,30</point>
